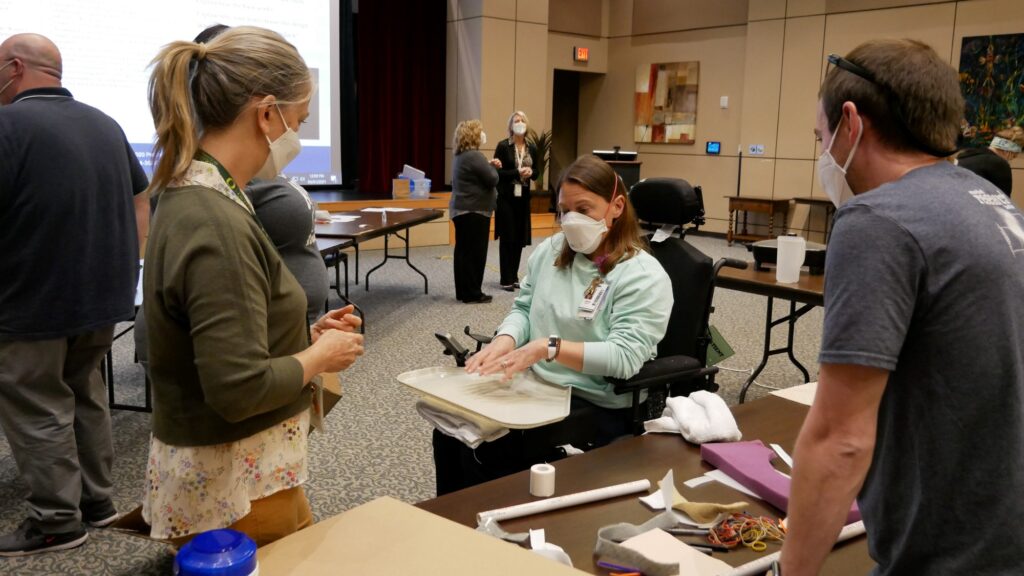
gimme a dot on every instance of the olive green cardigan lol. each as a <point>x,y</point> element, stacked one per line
<point>224,316</point>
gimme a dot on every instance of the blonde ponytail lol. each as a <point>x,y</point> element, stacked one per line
<point>198,88</point>
<point>174,115</point>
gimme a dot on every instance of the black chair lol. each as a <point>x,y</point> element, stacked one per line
<point>681,365</point>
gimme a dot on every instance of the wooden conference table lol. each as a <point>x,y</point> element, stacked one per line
<point>809,291</point>
<point>770,419</point>
<point>370,225</point>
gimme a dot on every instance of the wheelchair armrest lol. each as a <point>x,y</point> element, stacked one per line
<point>662,371</point>
<point>481,340</point>
<point>453,347</point>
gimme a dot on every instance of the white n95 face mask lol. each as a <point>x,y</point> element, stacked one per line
<point>519,128</point>
<point>282,151</point>
<point>483,138</point>
<point>583,233</point>
<point>831,176</point>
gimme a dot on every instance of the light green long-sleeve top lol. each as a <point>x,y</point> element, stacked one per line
<point>623,334</point>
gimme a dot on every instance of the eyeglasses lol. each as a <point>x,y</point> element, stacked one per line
<point>890,95</point>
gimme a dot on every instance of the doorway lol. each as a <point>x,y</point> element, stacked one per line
<point>565,124</point>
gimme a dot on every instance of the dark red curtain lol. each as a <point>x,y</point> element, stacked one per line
<point>401,90</point>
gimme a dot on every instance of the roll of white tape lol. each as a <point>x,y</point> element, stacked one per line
<point>542,480</point>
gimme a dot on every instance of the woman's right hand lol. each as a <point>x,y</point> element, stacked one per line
<point>497,164</point>
<point>499,346</point>
<point>340,349</point>
<point>333,351</point>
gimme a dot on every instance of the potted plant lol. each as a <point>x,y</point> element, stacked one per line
<point>542,142</point>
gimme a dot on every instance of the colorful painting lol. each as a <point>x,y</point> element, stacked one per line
<point>665,103</point>
<point>992,80</point>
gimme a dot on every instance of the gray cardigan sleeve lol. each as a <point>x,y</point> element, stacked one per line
<point>473,182</point>
<point>482,169</point>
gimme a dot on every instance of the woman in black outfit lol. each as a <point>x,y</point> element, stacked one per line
<point>470,208</point>
<point>512,218</point>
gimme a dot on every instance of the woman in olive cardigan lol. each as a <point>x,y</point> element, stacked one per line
<point>231,364</point>
<point>512,216</point>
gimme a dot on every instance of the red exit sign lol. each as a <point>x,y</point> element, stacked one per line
<point>580,54</point>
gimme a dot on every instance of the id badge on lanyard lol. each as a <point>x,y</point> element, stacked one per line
<point>593,298</point>
<point>517,190</point>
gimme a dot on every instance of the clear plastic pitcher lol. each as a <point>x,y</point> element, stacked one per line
<point>790,258</point>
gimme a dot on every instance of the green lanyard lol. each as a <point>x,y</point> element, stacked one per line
<point>229,181</point>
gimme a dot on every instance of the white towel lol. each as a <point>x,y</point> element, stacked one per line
<point>700,417</point>
<point>471,432</point>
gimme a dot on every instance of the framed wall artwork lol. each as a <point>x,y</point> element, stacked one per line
<point>665,103</point>
<point>992,82</point>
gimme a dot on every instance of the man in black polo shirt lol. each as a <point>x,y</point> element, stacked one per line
<point>73,212</point>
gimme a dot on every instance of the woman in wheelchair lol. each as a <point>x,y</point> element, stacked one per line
<point>594,305</point>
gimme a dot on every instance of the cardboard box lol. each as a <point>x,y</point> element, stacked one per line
<point>388,537</point>
<point>400,188</point>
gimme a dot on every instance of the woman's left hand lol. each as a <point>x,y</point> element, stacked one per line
<point>517,360</point>
<point>337,319</point>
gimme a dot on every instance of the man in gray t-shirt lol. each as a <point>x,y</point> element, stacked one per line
<point>920,405</point>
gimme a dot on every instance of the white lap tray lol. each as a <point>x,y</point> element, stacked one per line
<point>525,401</point>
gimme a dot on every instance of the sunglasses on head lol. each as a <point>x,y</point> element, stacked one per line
<point>890,95</point>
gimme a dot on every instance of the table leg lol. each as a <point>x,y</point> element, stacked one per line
<point>728,235</point>
<point>408,261</point>
<point>791,318</point>
<point>356,246</point>
<point>387,256</point>
<point>765,353</point>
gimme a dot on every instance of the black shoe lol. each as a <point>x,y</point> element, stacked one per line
<point>27,539</point>
<point>516,285</point>
<point>509,287</point>
<point>100,515</point>
<point>482,299</point>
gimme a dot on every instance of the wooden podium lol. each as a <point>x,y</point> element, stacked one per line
<point>629,170</point>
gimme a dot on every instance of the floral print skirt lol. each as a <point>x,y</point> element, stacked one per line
<point>191,489</point>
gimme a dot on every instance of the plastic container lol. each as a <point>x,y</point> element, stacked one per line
<point>420,188</point>
<point>792,250</point>
<point>223,552</point>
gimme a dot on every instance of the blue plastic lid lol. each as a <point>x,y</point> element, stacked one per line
<point>223,552</point>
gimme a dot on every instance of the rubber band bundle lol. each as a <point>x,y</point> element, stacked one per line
<point>750,531</point>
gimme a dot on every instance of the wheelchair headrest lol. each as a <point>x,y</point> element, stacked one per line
<point>667,201</point>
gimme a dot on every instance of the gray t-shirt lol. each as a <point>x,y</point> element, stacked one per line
<point>925,279</point>
<point>287,214</point>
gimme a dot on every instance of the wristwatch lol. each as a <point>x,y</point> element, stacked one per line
<point>554,346</point>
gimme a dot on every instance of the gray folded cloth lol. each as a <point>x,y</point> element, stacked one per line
<point>470,431</point>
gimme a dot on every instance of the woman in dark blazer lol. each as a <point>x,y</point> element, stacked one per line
<point>512,216</point>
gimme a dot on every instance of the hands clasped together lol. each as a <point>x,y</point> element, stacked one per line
<point>336,339</point>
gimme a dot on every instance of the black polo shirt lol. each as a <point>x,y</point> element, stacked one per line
<point>68,242</point>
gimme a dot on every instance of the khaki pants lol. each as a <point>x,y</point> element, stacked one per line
<point>270,518</point>
<point>53,410</point>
